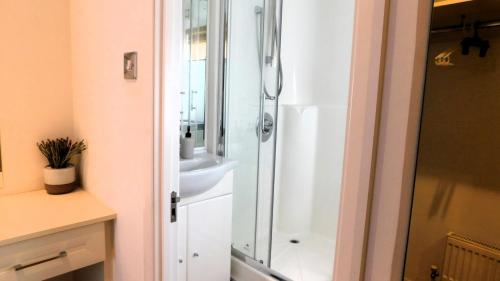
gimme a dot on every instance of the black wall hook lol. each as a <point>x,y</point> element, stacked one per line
<point>476,42</point>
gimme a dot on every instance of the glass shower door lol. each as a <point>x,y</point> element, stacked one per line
<point>250,88</point>
<point>288,184</point>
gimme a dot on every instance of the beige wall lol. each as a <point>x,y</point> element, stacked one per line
<point>115,116</point>
<point>457,187</point>
<point>35,92</point>
<point>63,55</point>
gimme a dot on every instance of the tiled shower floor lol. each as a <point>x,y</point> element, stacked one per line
<point>309,260</point>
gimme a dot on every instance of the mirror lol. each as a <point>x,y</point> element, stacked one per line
<point>195,28</point>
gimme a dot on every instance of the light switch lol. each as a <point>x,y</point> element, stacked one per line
<point>130,65</point>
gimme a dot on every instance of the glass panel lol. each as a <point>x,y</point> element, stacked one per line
<point>269,17</point>
<point>243,106</point>
<point>195,57</point>
<point>285,121</point>
<point>457,183</point>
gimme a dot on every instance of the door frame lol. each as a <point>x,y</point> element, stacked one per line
<point>403,90</point>
<point>369,34</point>
<point>167,101</point>
<point>157,138</point>
<point>367,69</point>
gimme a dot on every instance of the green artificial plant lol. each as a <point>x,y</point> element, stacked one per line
<point>60,151</point>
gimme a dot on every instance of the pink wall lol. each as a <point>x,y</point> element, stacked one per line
<point>62,75</point>
<point>35,86</point>
<point>115,116</point>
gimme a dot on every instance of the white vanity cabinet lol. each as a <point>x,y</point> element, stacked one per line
<point>204,240</point>
<point>51,255</point>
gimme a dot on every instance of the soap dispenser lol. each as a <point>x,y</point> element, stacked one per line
<point>187,145</point>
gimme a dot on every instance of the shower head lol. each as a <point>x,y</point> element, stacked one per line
<point>258,10</point>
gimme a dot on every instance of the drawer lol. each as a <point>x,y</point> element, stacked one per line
<point>51,255</point>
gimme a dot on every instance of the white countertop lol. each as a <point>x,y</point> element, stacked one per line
<point>33,214</point>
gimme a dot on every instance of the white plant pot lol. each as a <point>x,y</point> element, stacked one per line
<point>59,181</point>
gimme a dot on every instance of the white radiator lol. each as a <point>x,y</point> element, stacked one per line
<point>468,260</point>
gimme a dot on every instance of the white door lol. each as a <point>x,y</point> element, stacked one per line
<point>209,239</point>
<point>182,221</point>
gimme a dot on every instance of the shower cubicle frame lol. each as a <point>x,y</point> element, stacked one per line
<point>360,143</point>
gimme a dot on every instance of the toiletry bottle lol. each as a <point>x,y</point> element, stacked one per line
<point>187,145</point>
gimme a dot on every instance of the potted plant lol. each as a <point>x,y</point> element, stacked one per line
<point>59,175</point>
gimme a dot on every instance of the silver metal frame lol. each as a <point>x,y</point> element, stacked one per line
<point>279,85</point>
<point>221,102</point>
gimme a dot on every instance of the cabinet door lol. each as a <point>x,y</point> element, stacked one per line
<point>182,222</point>
<point>209,239</point>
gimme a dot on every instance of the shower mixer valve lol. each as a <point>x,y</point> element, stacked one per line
<point>267,127</point>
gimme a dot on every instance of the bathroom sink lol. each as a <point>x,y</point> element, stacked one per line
<point>203,172</point>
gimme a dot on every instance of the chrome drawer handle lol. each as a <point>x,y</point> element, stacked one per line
<point>61,254</point>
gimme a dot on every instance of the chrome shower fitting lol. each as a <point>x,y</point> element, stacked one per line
<point>267,127</point>
<point>268,59</point>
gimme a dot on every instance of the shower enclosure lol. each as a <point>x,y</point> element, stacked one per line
<point>283,117</point>
<point>252,81</point>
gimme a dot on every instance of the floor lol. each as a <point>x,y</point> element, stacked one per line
<point>311,259</point>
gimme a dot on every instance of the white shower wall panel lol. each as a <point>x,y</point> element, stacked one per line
<point>316,56</point>
<point>309,169</point>
<point>316,51</point>
<point>330,142</point>
<point>296,170</point>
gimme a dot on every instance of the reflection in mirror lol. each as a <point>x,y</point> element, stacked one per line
<point>195,62</point>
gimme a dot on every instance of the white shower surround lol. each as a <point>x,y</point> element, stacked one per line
<point>297,141</point>
<point>309,169</point>
<point>316,55</point>
<point>312,118</point>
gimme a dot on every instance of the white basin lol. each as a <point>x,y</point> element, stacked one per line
<point>202,173</point>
